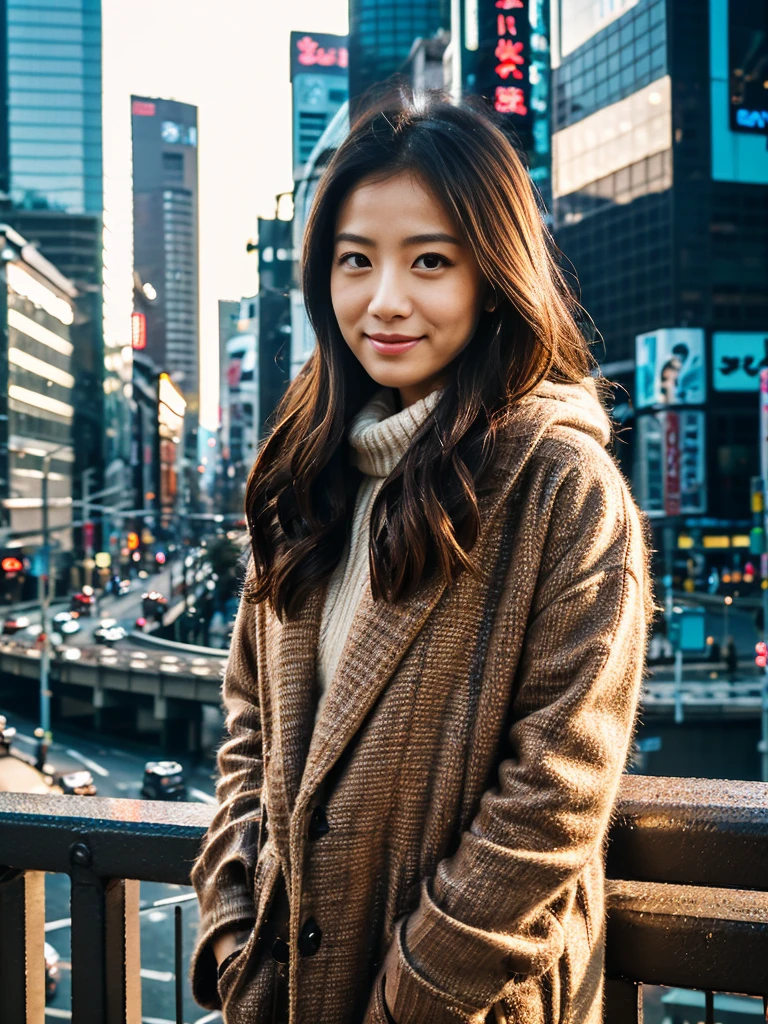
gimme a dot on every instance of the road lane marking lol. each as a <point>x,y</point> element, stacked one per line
<point>205,797</point>
<point>156,1020</point>
<point>216,1015</point>
<point>54,926</point>
<point>88,762</point>
<point>26,739</point>
<point>146,972</point>
<point>62,1014</point>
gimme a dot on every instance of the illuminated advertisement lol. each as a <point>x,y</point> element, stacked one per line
<point>171,408</point>
<point>502,57</point>
<point>748,66</point>
<point>318,51</point>
<point>670,472</point>
<point>669,367</point>
<point>737,359</point>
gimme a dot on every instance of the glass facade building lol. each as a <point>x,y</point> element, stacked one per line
<point>53,54</point>
<point>381,33</point>
<point>660,185</point>
<point>165,233</point>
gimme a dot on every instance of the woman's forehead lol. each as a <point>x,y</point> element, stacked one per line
<point>401,203</point>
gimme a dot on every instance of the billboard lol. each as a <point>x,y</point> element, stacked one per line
<point>747,66</point>
<point>669,367</point>
<point>318,52</point>
<point>737,359</point>
<point>670,472</point>
<point>498,38</point>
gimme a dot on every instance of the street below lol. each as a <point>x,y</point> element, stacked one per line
<point>117,768</point>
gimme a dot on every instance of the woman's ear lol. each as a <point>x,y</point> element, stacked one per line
<point>491,300</point>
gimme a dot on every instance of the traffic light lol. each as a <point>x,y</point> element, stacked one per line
<point>761,654</point>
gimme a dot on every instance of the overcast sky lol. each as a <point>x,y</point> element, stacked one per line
<point>230,58</point>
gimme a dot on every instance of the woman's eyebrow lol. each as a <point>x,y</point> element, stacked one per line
<point>347,236</point>
<point>434,236</point>
<point>426,239</point>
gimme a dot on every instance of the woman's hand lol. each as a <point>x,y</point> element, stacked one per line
<point>228,942</point>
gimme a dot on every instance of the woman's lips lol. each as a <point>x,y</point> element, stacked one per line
<point>392,344</point>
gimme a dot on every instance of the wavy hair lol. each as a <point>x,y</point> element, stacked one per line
<point>425,519</point>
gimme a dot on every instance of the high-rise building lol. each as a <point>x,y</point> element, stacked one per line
<point>381,34</point>
<point>36,401</point>
<point>660,181</point>
<point>51,175</point>
<point>319,65</point>
<point>165,239</point>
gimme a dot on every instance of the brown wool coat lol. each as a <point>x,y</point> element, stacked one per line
<point>468,758</point>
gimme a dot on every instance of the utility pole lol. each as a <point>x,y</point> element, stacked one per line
<point>87,528</point>
<point>44,592</point>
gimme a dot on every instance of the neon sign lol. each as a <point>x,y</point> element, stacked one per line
<point>503,58</point>
<point>318,52</point>
<point>138,331</point>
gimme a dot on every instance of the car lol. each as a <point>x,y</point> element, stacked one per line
<point>163,780</point>
<point>67,622</point>
<point>83,603</point>
<point>153,605</point>
<point>14,623</point>
<point>109,635</point>
<point>52,973</point>
<point>79,783</point>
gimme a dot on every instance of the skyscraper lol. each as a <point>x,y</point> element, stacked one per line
<point>51,174</point>
<point>660,181</point>
<point>319,65</point>
<point>381,33</point>
<point>165,223</point>
<point>54,105</point>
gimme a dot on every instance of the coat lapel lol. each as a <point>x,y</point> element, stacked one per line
<point>381,634</point>
<point>293,646</point>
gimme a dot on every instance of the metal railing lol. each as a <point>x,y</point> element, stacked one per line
<point>687,893</point>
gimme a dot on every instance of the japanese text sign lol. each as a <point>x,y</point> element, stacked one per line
<point>503,57</point>
<point>318,52</point>
<point>737,359</point>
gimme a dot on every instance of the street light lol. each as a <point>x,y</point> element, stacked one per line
<point>44,592</point>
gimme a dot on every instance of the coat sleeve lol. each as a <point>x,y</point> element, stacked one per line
<point>223,873</point>
<point>483,920</point>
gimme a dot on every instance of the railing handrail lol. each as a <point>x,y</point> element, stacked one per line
<point>678,831</point>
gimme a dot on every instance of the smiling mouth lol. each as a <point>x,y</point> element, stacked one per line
<point>394,339</point>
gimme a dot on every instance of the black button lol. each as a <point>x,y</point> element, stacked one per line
<point>309,937</point>
<point>280,951</point>
<point>318,823</point>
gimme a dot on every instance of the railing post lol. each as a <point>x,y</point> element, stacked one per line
<point>106,983</point>
<point>623,1002</point>
<point>22,937</point>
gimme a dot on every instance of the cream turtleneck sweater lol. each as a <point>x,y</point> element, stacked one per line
<point>379,437</point>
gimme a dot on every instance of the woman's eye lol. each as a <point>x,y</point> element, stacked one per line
<point>355,260</point>
<point>431,261</point>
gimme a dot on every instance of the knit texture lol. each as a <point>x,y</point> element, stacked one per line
<point>467,757</point>
<point>379,437</point>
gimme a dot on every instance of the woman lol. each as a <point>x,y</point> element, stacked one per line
<point>435,667</point>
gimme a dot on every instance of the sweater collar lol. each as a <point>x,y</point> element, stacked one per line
<point>380,437</point>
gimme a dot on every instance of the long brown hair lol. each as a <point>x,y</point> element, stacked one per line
<point>425,519</point>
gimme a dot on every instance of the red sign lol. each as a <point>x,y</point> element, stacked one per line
<point>310,52</point>
<point>672,464</point>
<point>138,330</point>
<point>142,108</point>
<point>88,535</point>
<point>11,564</point>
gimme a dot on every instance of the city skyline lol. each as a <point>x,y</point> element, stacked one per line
<point>238,180</point>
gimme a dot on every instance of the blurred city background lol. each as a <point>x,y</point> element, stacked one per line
<point>158,161</point>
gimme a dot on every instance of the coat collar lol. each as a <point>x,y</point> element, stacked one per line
<point>381,634</point>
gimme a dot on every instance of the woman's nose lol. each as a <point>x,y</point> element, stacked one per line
<point>390,298</point>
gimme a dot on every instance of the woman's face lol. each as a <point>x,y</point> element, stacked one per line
<point>406,290</point>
